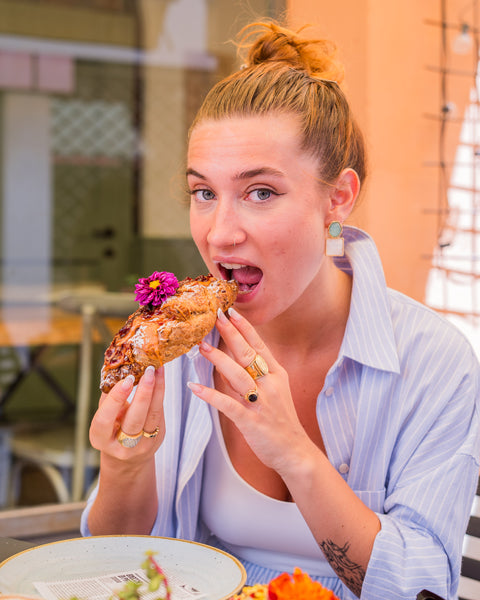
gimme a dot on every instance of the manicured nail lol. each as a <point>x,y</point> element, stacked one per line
<point>128,382</point>
<point>233,313</point>
<point>221,316</point>
<point>149,374</point>
<point>205,346</point>
<point>195,387</point>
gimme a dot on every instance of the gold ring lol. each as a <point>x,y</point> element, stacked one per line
<point>129,441</point>
<point>257,368</point>
<point>152,434</point>
<point>251,395</point>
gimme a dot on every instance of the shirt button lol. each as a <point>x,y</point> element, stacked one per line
<point>329,391</point>
<point>343,468</point>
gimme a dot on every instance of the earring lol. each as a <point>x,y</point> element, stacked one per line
<point>334,243</point>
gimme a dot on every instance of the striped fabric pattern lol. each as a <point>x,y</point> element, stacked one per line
<point>399,415</point>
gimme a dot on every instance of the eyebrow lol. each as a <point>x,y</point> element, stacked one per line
<point>260,171</point>
<point>194,173</point>
<point>243,174</point>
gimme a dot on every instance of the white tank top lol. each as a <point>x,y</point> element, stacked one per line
<point>251,525</point>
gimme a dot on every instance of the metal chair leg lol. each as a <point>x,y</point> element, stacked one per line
<point>83,402</point>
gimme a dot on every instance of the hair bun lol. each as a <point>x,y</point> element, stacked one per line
<point>269,42</point>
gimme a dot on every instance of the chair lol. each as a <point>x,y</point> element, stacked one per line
<point>426,595</point>
<point>469,588</point>
<point>62,452</point>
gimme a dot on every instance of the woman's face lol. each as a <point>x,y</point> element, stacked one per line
<point>258,211</point>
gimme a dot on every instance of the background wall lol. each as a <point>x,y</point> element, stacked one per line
<point>391,51</point>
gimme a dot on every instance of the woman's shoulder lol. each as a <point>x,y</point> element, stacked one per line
<point>421,329</point>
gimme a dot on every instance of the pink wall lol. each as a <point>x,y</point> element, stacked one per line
<point>388,49</point>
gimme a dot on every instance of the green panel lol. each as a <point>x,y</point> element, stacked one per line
<point>41,19</point>
<point>179,256</point>
<point>105,81</point>
<point>92,223</point>
<point>93,135</point>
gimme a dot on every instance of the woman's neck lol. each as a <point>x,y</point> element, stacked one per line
<point>316,325</point>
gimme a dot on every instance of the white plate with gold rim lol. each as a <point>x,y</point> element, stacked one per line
<point>216,574</point>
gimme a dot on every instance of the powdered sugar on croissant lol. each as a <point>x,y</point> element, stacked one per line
<point>158,334</point>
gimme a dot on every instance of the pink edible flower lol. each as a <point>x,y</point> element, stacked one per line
<point>154,290</point>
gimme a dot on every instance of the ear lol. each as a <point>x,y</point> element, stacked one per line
<point>344,195</point>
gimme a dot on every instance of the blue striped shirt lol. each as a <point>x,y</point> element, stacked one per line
<point>399,416</point>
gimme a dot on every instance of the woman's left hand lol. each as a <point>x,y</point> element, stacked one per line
<point>270,424</point>
<point>273,430</point>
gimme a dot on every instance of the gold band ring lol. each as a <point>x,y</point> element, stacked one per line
<point>129,441</point>
<point>257,368</point>
<point>152,434</point>
<point>251,395</point>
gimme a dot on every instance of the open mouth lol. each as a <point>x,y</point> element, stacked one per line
<point>246,276</point>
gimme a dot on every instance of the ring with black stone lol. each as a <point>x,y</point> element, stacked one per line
<point>251,395</point>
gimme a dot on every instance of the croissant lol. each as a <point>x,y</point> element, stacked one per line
<point>156,335</point>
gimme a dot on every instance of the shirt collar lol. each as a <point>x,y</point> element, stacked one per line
<point>369,337</point>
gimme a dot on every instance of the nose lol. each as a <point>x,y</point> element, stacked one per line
<point>226,228</point>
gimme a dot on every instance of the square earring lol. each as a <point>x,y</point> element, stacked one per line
<point>334,243</point>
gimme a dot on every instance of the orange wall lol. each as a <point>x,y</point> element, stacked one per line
<point>388,49</point>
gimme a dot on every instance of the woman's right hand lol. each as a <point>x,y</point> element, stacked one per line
<point>144,413</point>
<point>126,500</point>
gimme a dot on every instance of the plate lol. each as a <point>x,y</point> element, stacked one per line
<point>215,573</point>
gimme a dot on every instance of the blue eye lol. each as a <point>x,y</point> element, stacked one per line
<point>262,194</point>
<point>203,195</point>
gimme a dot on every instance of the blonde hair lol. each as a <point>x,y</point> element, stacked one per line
<point>285,73</point>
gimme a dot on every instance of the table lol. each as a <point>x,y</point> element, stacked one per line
<point>11,546</point>
<point>81,318</point>
<point>33,329</point>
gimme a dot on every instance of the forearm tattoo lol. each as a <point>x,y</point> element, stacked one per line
<point>348,571</point>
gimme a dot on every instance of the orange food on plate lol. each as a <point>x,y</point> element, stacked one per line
<point>298,586</point>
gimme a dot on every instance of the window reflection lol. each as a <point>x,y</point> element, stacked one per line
<point>96,97</point>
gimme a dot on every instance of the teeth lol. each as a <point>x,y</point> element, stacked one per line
<point>231,266</point>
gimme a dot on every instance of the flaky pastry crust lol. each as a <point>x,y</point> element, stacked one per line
<point>154,336</point>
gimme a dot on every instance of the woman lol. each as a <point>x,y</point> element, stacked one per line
<point>329,423</point>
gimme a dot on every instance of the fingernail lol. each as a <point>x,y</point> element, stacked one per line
<point>234,313</point>
<point>221,316</point>
<point>149,374</point>
<point>205,346</point>
<point>128,382</point>
<point>195,387</point>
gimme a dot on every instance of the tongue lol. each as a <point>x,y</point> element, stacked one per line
<point>247,276</point>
